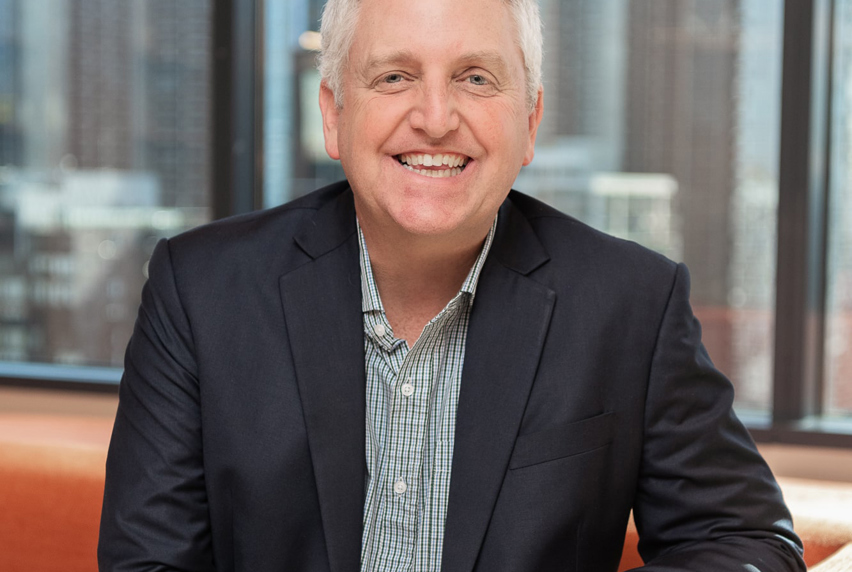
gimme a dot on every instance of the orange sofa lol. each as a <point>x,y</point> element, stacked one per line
<point>52,478</point>
<point>51,488</point>
<point>818,548</point>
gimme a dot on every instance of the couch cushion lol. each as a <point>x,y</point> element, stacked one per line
<point>51,490</point>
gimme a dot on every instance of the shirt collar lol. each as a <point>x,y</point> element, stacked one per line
<point>370,299</point>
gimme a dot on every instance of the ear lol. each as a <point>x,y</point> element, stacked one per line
<point>330,119</point>
<point>534,122</point>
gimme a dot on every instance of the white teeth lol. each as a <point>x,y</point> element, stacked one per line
<point>435,173</point>
<point>450,160</point>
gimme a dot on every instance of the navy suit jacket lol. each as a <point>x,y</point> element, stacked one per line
<point>239,443</point>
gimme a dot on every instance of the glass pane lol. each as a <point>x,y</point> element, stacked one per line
<point>664,129</point>
<point>295,161</point>
<point>838,341</point>
<point>104,135</point>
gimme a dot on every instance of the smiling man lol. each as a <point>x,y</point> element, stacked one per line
<point>419,369</point>
<point>431,118</point>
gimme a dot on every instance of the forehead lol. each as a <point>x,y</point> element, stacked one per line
<point>460,29</point>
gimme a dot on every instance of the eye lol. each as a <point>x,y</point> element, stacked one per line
<point>477,79</point>
<point>393,78</point>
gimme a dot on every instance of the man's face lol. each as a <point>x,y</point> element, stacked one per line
<point>427,79</point>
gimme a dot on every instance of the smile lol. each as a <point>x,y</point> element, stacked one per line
<point>437,166</point>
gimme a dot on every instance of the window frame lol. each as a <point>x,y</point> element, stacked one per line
<point>802,219</point>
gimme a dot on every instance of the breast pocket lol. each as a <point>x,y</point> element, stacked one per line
<point>564,440</point>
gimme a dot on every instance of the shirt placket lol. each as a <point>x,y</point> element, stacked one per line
<point>412,397</point>
<point>403,424</point>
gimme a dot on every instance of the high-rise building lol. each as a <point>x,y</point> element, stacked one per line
<point>10,51</point>
<point>100,62</point>
<point>138,91</point>
<point>583,75</point>
<point>176,78</point>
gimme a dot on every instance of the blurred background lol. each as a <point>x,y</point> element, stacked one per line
<point>717,132</point>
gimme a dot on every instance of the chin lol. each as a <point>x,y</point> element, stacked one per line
<point>422,222</point>
<point>426,226</point>
<point>431,222</point>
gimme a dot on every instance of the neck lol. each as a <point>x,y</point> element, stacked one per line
<point>417,276</point>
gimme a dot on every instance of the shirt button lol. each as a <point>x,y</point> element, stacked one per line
<point>399,487</point>
<point>379,329</point>
<point>407,389</point>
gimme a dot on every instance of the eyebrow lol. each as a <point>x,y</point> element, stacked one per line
<point>490,60</point>
<point>401,57</point>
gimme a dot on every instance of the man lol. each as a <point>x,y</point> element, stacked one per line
<point>419,370</point>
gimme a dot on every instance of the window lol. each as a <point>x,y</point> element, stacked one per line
<point>716,132</point>
<point>104,149</point>
<point>838,332</point>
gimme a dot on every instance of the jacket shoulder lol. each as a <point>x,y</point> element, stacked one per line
<point>285,219</point>
<point>570,241</point>
<point>253,236</point>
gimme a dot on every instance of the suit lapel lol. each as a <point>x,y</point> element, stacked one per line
<point>508,324</point>
<point>322,307</point>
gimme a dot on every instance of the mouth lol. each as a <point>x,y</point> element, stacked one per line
<point>440,165</point>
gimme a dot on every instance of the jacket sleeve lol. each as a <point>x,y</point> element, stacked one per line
<point>155,515</point>
<point>706,500</point>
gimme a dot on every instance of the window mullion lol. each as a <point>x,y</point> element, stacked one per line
<point>803,178</point>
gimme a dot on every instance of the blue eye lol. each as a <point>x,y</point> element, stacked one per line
<point>478,80</point>
<point>393,78</point>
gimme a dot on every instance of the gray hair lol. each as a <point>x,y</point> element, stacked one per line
<point>339,18</point>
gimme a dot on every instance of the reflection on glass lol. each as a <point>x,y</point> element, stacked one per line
<point>838,340</point>
<point>103,150</point>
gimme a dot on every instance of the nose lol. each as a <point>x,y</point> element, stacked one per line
<point>435,112</point>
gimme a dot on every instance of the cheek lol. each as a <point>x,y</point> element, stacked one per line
<point>501,131</point>
<point>380,116</point>
<point>349,134</point>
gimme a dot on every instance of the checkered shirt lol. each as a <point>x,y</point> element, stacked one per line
<point>412,398</point>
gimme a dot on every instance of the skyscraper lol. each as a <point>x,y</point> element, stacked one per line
<point>10,50</point>
<point>138,91</point>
